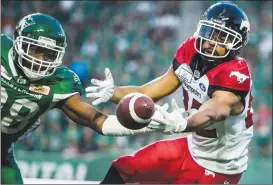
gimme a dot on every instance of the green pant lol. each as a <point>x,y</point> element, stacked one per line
<point>10,173</point>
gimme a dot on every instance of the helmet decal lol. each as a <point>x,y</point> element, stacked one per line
<point>245,24</point>
<point>221,16</point>
<point>24,23</point>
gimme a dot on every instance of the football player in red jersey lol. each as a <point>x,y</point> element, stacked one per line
<point>213,79</point>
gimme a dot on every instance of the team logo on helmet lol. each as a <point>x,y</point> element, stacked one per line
<point>221,14</point>
<point>245,24</point>
<point>24,23</point>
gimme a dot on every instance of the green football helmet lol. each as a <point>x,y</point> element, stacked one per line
<point>39,45</point>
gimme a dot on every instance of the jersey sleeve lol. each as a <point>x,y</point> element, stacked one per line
<point>69,85</point>
<point>234,78</point>
<point>6,45</point>
<point>184,53</point>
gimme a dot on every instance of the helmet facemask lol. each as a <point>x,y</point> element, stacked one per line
<point>219,35</point>
<point>38,58</point>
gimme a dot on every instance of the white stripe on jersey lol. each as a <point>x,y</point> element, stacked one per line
<point>59,97</point>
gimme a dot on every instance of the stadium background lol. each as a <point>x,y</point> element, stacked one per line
<point>137,41</point>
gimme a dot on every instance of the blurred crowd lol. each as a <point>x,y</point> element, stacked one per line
<point>137,40</point>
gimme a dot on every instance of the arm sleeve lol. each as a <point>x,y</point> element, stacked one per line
<point>234,79</point>
<point>184,53</point>
<point>71,83</point>
<point>69,86</point>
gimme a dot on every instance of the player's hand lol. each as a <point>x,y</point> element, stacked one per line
<point>173,122</point>
<point>102,91</point>
<point>156,125</point>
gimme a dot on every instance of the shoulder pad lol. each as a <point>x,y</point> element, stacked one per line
<point>68,80</point>
<point>185,51</point>
<point>233,74</point>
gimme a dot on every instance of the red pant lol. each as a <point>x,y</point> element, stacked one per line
<point>167,161</point>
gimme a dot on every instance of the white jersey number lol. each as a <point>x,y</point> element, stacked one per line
<point>21,111</point>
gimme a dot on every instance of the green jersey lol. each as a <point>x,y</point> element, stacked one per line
<point>24,101</point>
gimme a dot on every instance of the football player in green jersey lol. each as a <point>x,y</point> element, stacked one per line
<point>33,81</point>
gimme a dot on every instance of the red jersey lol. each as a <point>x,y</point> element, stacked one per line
<point>222,147</point>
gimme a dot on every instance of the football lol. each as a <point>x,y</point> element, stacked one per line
<point>135,111</point>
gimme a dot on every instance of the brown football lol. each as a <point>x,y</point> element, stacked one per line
<point>135,111</point>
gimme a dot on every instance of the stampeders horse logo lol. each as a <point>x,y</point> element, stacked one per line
<point>208,173</point>
<point>240,77</point>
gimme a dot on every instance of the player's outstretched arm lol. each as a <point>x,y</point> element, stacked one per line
<point>155,89</point>
<point>221,105</point>
<point>158,88</point>
<point>218,108</point>
<point>82,113</point>
<point>86,115</point>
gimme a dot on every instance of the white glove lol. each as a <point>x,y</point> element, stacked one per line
<point>102,91</point>
<point>173,122</point>
<point>155,125</point>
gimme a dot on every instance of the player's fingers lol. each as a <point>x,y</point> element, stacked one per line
<point>156,125</point>
<point>93,95</point>
<point>108,74</point>
<point>174,104</point>
<point>165,106</point>
<point>176,107</point>
<point>108,95</point>
<point>97,101</point>
<point>92,89</point>
<point>158,114</point>
<point>161,110</point>
<point>160,121</point>
<point>96,81</point>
